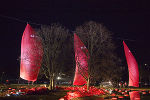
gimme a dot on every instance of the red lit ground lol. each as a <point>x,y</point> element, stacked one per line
<point>71,93</point>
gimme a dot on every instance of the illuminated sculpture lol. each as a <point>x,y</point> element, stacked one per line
<point>31,54</point>
<point>81,57</point>
<point>132,67</point>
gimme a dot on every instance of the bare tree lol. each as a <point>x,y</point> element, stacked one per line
<point>53,38</point>
<point>98,40</point>
<point>144,73</point>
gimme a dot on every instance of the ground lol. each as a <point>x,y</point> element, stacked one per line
<point>57,94</point>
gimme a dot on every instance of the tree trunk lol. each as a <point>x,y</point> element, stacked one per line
<point>88,83</point>
<point>28,82</point>
<point>53,83</point>
<point>32,82</point>
<point>50,84</point>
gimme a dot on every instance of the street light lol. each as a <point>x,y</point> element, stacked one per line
<point>58,78</point>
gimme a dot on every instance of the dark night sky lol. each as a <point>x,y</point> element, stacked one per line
<point>127,19</point>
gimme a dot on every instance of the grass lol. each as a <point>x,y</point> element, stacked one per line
<point>51,95</point>
<point>89,98</point>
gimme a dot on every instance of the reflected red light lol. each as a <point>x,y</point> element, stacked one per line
<point>126,95</point>
<point>114,98</point>
<point>113,94</point>
<point>82,92</point>
<point>61,99</point>
<point>143,92</point>
<point>134,95</point>
<point>120,97</point>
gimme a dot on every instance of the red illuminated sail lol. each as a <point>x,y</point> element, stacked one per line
<point>31,54</point>
<point>81,57</point>
<point>132,67</point>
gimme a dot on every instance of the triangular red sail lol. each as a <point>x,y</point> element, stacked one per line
<point>31,54</point>
<point>132,67</point>
<point>81,57</point>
